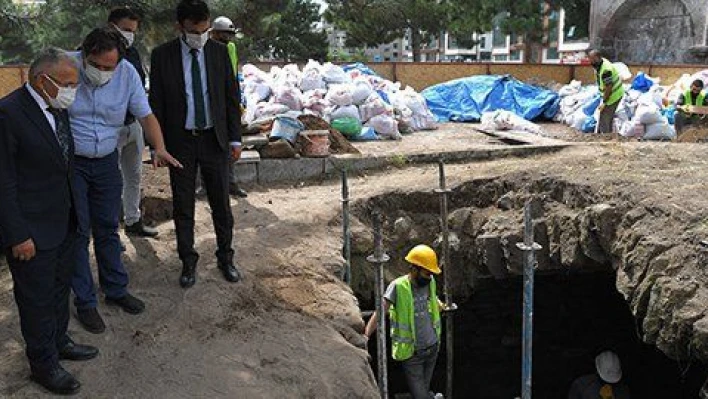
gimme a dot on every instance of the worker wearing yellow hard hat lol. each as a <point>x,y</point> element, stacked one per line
<point>413,307</point>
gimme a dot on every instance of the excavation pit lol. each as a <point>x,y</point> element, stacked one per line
<point>604,280</point>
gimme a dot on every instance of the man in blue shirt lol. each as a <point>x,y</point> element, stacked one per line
<point>110,87</point>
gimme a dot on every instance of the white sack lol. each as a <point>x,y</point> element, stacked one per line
<point>385,126</point>
<point>659,131</point>
<point>346,111</point>
<point>340,95</point>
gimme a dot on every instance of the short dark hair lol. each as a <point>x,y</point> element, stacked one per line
<point>193,10</point>
<point>595,52</point>
<point>120,13</point>
<point>697,83</point>
<point>101,40</point>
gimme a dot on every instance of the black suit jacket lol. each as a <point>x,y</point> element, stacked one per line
<point>169,101</point>
<point>36,196</point>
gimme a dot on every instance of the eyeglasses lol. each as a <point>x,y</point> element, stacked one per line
<point>56,82</point>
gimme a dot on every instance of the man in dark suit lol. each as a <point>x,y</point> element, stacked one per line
<point>195,96</point>
<point>37,218</point>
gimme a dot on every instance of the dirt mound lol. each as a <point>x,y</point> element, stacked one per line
<point>292,329</point>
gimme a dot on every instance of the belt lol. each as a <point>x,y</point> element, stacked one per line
<point>198,132</point>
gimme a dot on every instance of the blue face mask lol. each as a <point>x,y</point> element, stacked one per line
<point>422,281</point>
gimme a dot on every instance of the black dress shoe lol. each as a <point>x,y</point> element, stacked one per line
<point>189,276</point>
<point>91,320</point>
<point>128,303</point>
<point>230,272</point>
<point>57,381</point>
<point>73,351</point>
<point>138,229</point>
<point>237,191</point>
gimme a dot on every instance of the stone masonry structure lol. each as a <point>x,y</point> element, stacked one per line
<point>651,31</point>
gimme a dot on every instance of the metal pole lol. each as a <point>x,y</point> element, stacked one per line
<point>379,258</point>
<point>529,247</point>
<point>347,277</point>
<point>449,341</point>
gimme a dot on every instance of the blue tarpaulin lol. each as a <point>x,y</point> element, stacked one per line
<point>642,83</point>
<point>359,67</point>
<point>465,99</point>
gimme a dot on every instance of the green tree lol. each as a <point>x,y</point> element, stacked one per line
<point>281,26</point>
<point>374,22</point>
<point>298,39</point>
<point>14,23</point>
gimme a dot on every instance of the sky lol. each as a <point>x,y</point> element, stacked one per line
<point>322,4</point>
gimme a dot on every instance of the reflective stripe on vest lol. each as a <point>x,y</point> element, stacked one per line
<point>402,318</point>
<point>700,99</point>
<point>617,88</point>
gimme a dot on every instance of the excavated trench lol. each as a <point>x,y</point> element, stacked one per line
<point>610,276</point>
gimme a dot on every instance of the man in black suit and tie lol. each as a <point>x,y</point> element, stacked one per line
<point>37,218</point>
<point>195,96</point>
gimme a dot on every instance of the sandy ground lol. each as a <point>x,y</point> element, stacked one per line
<point>291,329</point>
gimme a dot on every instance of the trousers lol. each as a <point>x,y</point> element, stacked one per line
<point>607,116</point>
<point>131,145</point>
<point>419,372</point>
<point>41,287</point>
<point>203,151</point>
<point>98,186</point>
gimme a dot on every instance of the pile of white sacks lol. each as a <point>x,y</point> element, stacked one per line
<point>646,115</point>
<point>329,92</point>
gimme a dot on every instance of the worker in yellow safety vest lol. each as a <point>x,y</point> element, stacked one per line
<point>611,90</point>
<point>695,96</point>
<point>224,31</point>
<point>413,307</point>
<point>605,383</point>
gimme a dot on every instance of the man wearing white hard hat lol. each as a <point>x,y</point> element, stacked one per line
<point>604,384</point>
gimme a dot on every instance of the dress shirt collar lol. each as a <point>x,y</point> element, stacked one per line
<point>37,97</point>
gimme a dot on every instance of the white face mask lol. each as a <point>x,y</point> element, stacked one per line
<point>129,36</point>
<point>196,41</point>
<point>96,76</point>
<point>65,95</point>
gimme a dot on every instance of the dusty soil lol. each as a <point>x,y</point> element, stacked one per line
<point>292,329</point>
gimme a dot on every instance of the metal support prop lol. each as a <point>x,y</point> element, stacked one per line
<point>347,275</point>
<point>529,247</point>
<point>379,259</point>
<point>449,338</point>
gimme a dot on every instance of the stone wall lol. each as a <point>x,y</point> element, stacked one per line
<point>651,31</point>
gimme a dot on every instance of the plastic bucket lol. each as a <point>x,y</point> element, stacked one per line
<point>286,128</point>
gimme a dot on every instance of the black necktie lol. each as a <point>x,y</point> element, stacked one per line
<point>61,121</point>
<point>199,114</point>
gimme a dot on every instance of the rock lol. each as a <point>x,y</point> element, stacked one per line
<point>699,341</point>
<point>458,218</point>
<point>468,221</point>
<point>362,238</point>
<point>402,227</point>
<point>543,256</point>
<point>590,237</point>
<point>506,202</point>
<point>492,255</point>
<point>663,325</point>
